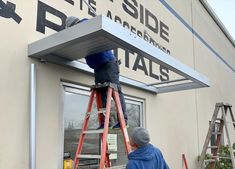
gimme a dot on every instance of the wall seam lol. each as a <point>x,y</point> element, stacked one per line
<point>195,91</point>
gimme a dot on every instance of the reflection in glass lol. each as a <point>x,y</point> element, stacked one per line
<point>75,106</point>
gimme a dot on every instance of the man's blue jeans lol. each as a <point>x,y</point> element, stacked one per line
<point>109,72</point>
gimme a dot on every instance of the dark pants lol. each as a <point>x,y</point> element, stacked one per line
<point>109,72</point>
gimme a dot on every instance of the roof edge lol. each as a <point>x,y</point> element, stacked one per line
<point>208,8</point>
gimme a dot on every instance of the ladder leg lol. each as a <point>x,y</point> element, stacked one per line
<point>217,144</point>
<point>84,128</point>
<point>231,114</point>
<point>122,121</point>
<point>107,159</point>
<point>99,106</point>
<point>209,133</point>
<point>101,119</point>
<point>229,143</point>
<point>105,132</point>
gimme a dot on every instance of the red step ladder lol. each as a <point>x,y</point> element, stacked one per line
<point>112,91</point>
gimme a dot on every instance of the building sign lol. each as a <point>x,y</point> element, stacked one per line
<point>141,65</point>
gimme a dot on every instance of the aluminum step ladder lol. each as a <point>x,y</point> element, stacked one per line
<point>215,148</point>
<point>103,116</point>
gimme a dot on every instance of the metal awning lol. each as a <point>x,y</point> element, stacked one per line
<point>100,34</point>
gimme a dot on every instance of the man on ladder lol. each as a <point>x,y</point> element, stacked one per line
<point>106,71</point>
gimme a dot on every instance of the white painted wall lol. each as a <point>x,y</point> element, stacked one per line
<point>177,121</point>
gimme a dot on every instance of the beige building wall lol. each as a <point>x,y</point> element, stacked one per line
<point>177,121</point>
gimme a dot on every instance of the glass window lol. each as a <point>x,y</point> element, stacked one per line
<point>75,105</point>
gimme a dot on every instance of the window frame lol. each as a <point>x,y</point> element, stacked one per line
<point>85,90</point>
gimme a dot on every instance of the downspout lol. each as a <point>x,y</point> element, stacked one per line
<point>32,122</point>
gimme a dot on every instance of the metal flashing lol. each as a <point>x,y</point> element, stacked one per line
<point>217,21</point>
<point>101,33</point>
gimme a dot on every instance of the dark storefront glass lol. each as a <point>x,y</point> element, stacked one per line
<point>75,105</point>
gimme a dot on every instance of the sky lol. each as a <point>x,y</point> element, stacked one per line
<point>225,10</point>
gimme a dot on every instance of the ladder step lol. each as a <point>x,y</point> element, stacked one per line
<point>100,111</point>
<point>223,104</point>
<point>214,133</point>
<point>93,131</point>
<point>93,166</point>
<point>209,160</point>
<point>222,157</point>
<point>215,157</point>
<point>101,85</point>
<point>213,147</point>
<point>90,156</point>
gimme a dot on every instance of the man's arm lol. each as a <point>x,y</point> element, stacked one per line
<point>165,164</point>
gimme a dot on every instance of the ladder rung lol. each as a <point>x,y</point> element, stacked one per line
<point>216,133</point>
<point>91,166</point>
<point>100,111</point>
<point>209,160</point>
<point>93,131</point>
<point>91,156</point>
<point>213,147</point>
<point>220,157</point>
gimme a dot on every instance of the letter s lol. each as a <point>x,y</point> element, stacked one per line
<point>132,10</point>
<point>164,73</point>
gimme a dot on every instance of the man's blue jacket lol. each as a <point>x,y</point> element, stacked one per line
<point>95,61</point>
<point>146,157</point>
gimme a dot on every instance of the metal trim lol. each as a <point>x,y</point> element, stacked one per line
<point>169,81</point>
<point>211,12</point>
<point>110,35</point>
<point>179,87</point>
<point>84,67</point>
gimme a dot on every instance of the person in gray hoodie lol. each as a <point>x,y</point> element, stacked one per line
<point>145,155</point>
